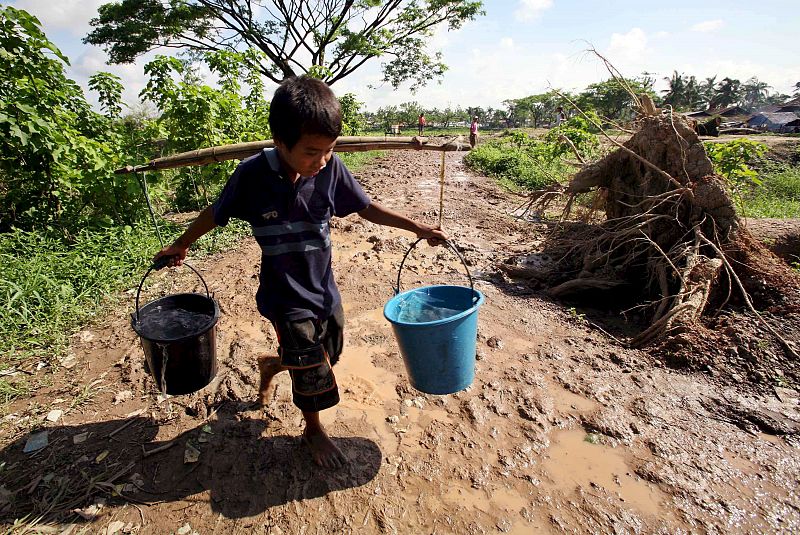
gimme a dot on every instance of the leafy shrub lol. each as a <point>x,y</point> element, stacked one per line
<point>584,141</point>
<point>731,160</point>
<point>522,161</point>
<point>353,122</point>
<point>56,154</point>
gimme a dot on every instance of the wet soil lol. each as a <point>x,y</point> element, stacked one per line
<point>564,430</point>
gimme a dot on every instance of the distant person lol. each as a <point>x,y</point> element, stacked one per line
<point>561,117</point>
<point>421,123</point>
<point>473,132</point>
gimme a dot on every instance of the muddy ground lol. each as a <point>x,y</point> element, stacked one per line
<point>564,430</point>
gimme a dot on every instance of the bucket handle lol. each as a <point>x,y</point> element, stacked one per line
<point>160,264</point>
<point>453,248</point>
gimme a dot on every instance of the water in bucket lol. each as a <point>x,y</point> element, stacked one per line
<point>436,329</point>
<point>178,336</point>
<point>162,323</point>
<point>421,308</point>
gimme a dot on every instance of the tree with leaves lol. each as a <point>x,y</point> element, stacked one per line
<point>708,88</point>
<point>55,155</point>
<point>728,92</point>
<point>754,93</point>
<point>675,94</point>
<point>328,39</point>
<point>613,101</point>
<point>683,92</point>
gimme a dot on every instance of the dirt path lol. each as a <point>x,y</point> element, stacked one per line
<point>564,430</point>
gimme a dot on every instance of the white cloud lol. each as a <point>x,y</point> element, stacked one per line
<point>529,10</point>
<point>627,47</point>
<point>707,26</point>
<point>507,43</point>
<point>59,15</point>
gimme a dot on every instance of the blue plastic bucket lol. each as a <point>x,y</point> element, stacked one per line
<point>436,328</point>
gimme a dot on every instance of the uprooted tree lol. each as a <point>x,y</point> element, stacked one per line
<point>671,240</point>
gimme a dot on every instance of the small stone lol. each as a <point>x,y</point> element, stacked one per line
<point>190,455</point>
<point>480,355</point>
<point>494,342</point>
<point>115,527</point>
<point>68,362</point>
<point>80,438</point>
<point>36,442</point>
<point>504,525</point>
<point>393,419</point>
<point>184,529</point>
<point>122,396</point>
<point>54,415</point>
<point>736,377</point>
<point>786,395</point>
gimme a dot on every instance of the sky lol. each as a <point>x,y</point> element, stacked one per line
<point>524,47</point>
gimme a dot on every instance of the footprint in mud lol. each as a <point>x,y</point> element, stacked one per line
<point>363,391</point>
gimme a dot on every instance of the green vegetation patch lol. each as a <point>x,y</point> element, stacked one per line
<point>524,162</point>
<point>779,193</point>
<point>771,191</point>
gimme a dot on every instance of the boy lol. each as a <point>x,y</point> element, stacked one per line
<point>288,195</point>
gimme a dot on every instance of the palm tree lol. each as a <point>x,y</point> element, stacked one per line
<point>693,93</point>
<point>708,89</point>
<point>675,95</point>
<point>728,92</point>
<point>754,93</point>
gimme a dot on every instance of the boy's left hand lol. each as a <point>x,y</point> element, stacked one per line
<point>435,236</point>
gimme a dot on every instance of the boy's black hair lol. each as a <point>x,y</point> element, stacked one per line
<point>304,105</point>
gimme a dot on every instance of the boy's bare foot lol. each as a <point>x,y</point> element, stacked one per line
<point>268,367</point>
<point>323,450</point>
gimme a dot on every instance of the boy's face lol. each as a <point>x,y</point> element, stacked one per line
<point>309,155</point>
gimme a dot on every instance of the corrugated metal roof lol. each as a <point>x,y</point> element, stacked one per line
<point>774,118</point>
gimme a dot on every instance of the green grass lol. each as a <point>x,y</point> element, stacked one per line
<point>778,196</point>
<point>526,167</point>
<point>356,160</point>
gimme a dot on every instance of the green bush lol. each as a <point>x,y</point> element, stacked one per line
<point>772,191</point>
<point>528,165</point>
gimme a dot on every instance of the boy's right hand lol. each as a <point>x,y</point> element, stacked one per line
<point>176,252</point>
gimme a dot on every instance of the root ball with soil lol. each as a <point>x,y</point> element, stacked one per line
<point>671,241</point>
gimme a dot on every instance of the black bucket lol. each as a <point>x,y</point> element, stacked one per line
<point>179,338</point>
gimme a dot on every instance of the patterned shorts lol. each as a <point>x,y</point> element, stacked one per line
<point>310,348</point>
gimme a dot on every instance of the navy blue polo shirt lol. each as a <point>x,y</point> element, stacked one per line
<point>290,223</point>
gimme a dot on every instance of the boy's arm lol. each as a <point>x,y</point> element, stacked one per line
<point>380,215</point>
<point>200,226</point>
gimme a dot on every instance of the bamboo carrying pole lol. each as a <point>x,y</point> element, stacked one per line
<point>243,150</point>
